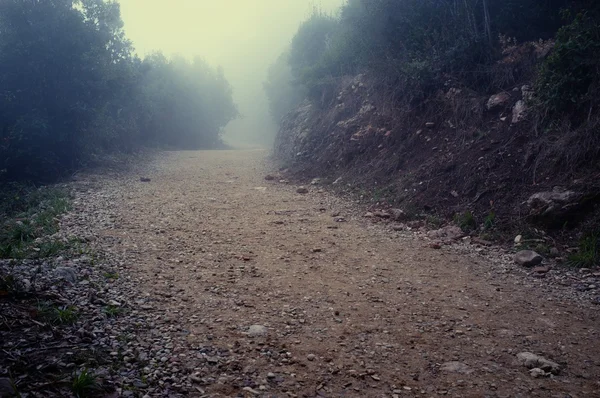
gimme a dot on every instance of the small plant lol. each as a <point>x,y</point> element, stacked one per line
<point>84,384</point>
<point>9,286</point>
<point>466,221</point>
<point>37,218</point>
<point>434,221</point>
<point>112,311</point>
<point>490,220</point>
<point>111,275</point>
<point>588,253</point>
<point>64,315</point>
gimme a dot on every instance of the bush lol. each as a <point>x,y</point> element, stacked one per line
<point>568,81</point>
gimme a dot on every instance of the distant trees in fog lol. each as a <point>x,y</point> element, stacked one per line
<point>71,88</point>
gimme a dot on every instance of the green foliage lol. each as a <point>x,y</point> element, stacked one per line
<point>112,311</point>
<point>37,219</point>
<point>466,221</point>
<point>58,315</point>
<point>84,384</point>
<point>9,286</point>
<point>283,93</point>
<point>72,89</point>
<point>588,253</point>
<point>490,220</point>
<point>569,79</point>
<point>414,47</point>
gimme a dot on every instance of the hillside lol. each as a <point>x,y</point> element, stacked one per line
<point>502,155</point>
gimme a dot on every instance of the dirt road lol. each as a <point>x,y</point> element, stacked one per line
<point>350,308</point>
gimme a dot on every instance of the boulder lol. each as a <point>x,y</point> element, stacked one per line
<point>532,361</point>
<point>554,206</point>
<point>528,258</point>
<point>498,100</point>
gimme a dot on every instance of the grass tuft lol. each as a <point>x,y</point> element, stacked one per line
<point>84,384</point>
<point>588,253</point>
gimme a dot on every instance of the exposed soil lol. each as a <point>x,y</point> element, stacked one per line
<point>351,308</point>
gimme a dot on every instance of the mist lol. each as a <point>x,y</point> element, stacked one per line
<point>241,36</point>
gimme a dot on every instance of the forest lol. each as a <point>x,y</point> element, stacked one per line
<point>73,90</point>
<point>414,48</point>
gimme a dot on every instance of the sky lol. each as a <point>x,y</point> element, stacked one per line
<point>242,36</point>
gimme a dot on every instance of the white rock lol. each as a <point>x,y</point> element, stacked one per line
<point>257,331</point>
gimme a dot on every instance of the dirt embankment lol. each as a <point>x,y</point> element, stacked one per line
<point>460,154</point>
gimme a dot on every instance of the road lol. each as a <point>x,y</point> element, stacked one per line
<point>349,308</point>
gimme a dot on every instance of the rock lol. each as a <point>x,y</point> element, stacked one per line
<point>369,215</point>
<point>270,375</point>
<point>528,258</point>
<point>518,239</point>
<point>315,181</point>
<point>537,373</point>
<point>532,361</point>
<point>553,205</point>
<point>436,246</point>
<point>497,100</point>
<point>554,252</point>
<point>302,190</point>
<point>398,214</point>
<point>257,331</point>
<point>456,367</point>
<point>541,270</point>
<point>311,357</point>
<point>269,177</point>
<point>450,232</point>
<point>430,125</point>
<point>527,91</point>
<point>251,391</point>
<point>145,179</point>
<point>337,181</point>
<point>382,214</point>
<point>519,112</point>
<point>66,273</point>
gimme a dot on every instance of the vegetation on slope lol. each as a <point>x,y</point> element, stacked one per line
<point>452,107</point>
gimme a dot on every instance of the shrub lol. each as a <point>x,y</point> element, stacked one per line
<point>588,253</point>
<point>568,81</point>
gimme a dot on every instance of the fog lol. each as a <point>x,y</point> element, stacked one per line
<point>242,36</point>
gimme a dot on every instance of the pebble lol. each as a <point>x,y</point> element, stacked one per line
<point>257,331</point>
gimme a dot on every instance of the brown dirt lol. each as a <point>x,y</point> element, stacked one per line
<point>216,248</point>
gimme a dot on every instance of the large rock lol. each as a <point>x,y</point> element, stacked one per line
<point>532,361</point>
<point>498,100</point>
<point>528,258</point>
<point>554,207</point>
